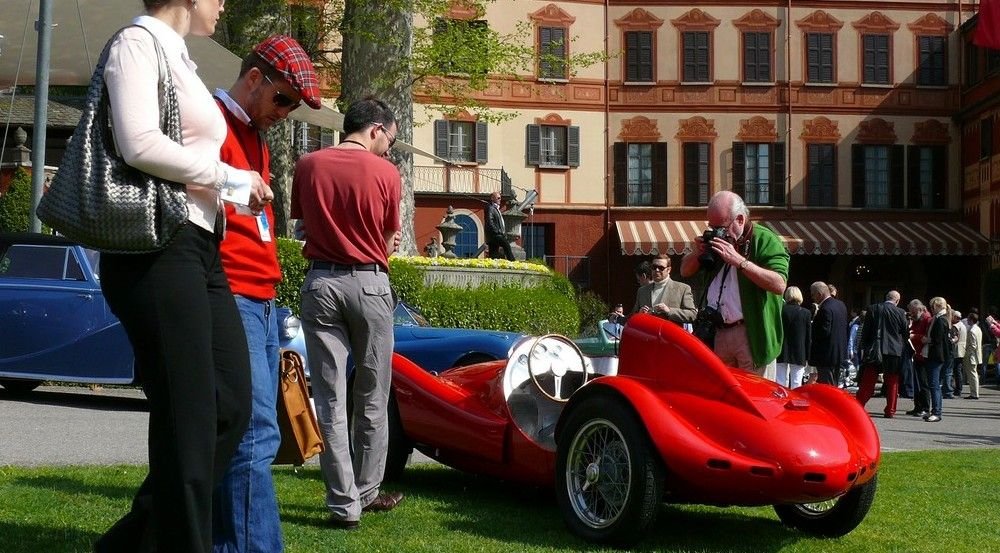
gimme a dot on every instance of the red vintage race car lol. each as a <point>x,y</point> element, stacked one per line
<point>664,421</point>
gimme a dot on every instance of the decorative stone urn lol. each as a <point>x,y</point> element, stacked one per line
<point>512,219</point>
<point>449,230</point>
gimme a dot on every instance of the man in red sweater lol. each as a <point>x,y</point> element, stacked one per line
<point>274,79</point>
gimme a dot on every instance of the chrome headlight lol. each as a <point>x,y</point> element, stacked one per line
<point>290,327</point>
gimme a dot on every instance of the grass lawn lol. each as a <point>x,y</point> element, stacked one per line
<point>929,501</point>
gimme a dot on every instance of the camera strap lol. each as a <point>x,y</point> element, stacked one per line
<point>708,284</point>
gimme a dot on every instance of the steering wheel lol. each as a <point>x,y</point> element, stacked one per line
<point>551,359</point>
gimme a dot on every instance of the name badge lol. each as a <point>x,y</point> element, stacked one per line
<point>264,227</point>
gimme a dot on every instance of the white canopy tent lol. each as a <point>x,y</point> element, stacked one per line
<point>82,27</point>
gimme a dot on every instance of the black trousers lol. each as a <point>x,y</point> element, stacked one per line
<point>828,375</point>
<point>191,355</point>
<point>497,243</point>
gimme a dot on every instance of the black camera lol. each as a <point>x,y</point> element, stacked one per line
<point>708,259</point>
<point>710,316</point>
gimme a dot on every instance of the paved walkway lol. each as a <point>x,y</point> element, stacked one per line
<point>58,425</point>
<point>964,423</point>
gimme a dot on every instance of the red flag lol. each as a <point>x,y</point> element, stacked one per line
<point>987,33</point>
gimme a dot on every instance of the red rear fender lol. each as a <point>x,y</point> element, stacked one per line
<point>438,412</point>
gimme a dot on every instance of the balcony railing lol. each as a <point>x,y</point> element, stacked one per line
<point>459,180</point>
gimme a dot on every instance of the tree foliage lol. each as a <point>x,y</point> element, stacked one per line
<point>15,204</point>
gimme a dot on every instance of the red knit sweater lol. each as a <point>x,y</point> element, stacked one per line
<point>250,263</point>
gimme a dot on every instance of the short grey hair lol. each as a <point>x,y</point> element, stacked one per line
<point>820,287</point>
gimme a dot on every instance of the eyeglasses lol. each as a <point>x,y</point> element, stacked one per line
<point>392,137</point>
<point>281,100</point>
<point>659,268</point>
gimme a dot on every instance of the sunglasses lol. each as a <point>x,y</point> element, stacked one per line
<point>660,268</point>
<point>281,100</point>
<point>392,137</point>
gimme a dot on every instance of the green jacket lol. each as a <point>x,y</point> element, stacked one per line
<point>762,309</point>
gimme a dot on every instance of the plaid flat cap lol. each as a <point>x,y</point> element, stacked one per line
<point>287,57</point>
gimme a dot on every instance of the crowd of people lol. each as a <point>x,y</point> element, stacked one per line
<point>927,353</point>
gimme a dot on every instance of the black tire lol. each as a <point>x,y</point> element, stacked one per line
<point>19,387</point>
<point>400,448</point>
<point>604,444</point>
<point>834,518</point>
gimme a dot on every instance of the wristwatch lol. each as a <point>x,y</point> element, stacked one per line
<point>743,264</point>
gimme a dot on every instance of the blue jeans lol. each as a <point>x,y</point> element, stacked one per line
<point>246,507</point>
<point>933,369</point>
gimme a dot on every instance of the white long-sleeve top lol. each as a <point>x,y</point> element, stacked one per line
<point>132,78</point>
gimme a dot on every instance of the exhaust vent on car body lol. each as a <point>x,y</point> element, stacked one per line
<point>814,477</point>
<point>719,464</point>
<point>762,471</point>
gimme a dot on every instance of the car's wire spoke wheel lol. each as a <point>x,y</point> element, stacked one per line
<point>609,478</point>
<point>599,473</point>
<point>834,517</point>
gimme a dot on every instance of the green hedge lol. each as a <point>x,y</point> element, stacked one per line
<point>15,204</point>
<point>550,308</point>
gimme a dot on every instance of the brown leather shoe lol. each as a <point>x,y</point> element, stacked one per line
<point>342,524</point>
<point>386,501</point>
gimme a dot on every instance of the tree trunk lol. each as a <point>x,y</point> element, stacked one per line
<point>279,140</point>
<point>377,44</point>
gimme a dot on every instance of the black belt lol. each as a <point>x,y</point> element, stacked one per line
<point>328,266</point>
<point>732,324</point>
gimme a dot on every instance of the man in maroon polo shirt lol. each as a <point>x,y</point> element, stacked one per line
<point>347,198</point>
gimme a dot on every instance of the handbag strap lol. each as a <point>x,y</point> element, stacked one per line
<point>166,93</point>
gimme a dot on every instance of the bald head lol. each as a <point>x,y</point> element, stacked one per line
<point>892,296</point>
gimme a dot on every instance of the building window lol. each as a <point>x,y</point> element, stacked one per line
<point>552,52</point>
<point>992,60</point>
<point>877,176</point>
<point>757,57</point>
<point>640,174</point>
<point>467,240</point>
<point>696,57</point>
<point>819,57</point>
<point>553,146</point>
<point>759,172</point>
<point>875,59</point>
<point>535,239</point>
<point>932,69</point>
<point>971,64</point>
<point>639,56</point>
<point>696,173</point>
<point>822,174</point>
<point>928,177</point>
<point>461,141</point>
<point>985,138</point>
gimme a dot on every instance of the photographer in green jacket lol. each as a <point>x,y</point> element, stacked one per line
<point>747,267</point>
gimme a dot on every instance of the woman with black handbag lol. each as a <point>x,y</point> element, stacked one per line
<point>174,302</point>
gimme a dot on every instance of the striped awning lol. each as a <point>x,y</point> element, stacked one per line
<point>880,238</point>
<point>817,237</point>
<point>656,237</point>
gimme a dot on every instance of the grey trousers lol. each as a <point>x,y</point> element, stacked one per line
<point>350,312</point>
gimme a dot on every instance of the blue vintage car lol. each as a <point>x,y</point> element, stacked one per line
<point>55,324</point>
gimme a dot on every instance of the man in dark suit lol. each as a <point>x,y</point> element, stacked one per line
<point>829,334</point>
<point>496,231</point>
<point>882,335</point>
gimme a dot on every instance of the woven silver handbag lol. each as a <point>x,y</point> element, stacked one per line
<point>99,200</point>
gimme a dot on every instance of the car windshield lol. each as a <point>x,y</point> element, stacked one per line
<point>407,315</point>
